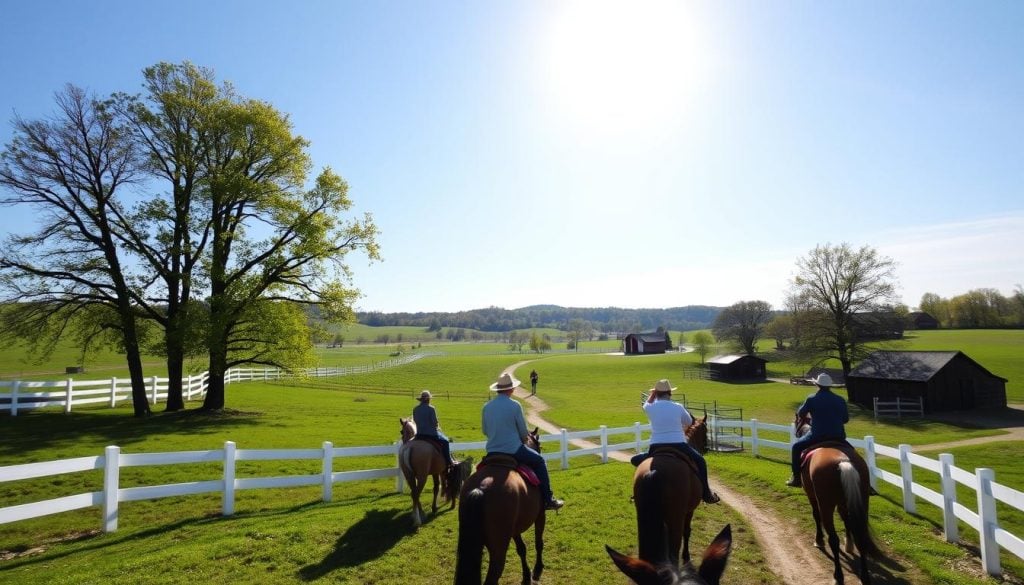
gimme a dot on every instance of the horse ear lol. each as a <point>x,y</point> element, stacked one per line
<point>640,571</point>
<point>536,430</point>
<point>716,556</point>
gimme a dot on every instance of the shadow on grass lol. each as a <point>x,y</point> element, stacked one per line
<point>51,429</point>
<point>370,538</point>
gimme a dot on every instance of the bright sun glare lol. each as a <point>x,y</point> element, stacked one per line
<point>621,67</point>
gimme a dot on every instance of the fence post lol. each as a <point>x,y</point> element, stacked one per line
<point>753,438</point>
<point>565,449</point>
<point>869,459</point>
<point>113,392</point>
<point>111,479</point>
<point>328,471</point>
<point>14,397</point>
<point>949,526</point>
<point>400,478</point>
<point>987,522</point>
<point>228,500</point>
<point>907,473</point>
<point>154,389</point>
<point>68,389</point>
<point>604,443</point>
<point>636,430</point>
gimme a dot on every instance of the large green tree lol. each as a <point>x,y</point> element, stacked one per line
<point>834,283</point>
<point>742,324</point>
<point>73,169</point>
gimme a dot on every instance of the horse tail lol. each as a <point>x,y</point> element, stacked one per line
<point>650,519</point>
<point>856,509</point>
<point>470,551</point>
<point>405,462</point>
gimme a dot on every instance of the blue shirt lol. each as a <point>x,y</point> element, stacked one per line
<point>504,425</point>
<point>668,421</point>
<point>425,418</point>
<point>828,414</point>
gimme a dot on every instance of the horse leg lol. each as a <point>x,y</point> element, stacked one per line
<point>819,534</point>
<point>521,551</point>
<point>833,544</point>
<point>495,563</point>
<point>433,508</point>
<point>538,534</point>
<point>417,510</point>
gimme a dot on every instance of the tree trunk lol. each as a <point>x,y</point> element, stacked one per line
<point>140,401</point>
<point>215,384</point>
<point>175,371</point>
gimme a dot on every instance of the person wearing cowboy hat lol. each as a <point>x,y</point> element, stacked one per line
<point>425,417</point>
<point>668,419</point>
<point>829,415</point>
<point>505,428</point>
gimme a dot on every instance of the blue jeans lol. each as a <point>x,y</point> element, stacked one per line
<point>533,459</point>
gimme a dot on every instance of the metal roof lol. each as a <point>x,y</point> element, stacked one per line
<point>912,366</point>
<point>728,359</point>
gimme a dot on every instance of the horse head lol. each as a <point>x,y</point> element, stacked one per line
<point>408,429</point>
<point>697,434</point>
<point>709,573</point>
<point>802,424</point>
<point>533,439</point>
<point>456,476</point>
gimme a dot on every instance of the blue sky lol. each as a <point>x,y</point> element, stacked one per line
<point>641,154</point>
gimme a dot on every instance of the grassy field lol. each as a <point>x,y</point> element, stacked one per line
<point>364,536</point>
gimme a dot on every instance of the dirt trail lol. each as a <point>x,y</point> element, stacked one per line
<point>788,551</point>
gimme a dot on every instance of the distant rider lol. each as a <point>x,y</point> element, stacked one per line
<point>829,415</point>
<point>425,417</point>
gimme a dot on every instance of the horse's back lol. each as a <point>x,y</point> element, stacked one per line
<point>674,474</point>
<point>423,457</point>
<point>508,500</point>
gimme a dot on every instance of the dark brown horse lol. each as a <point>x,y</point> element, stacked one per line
<point>497,505</point>
<point>709,573</point>
<point>666,492</point>
<point>837,478</point>
<point>419,459</point>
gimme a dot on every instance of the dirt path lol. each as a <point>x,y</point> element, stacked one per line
<point>788,551</point>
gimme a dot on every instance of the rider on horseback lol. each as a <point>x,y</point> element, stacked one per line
<point>425,417</point>
<point>829,414</point>
<point>668,419</point>
<point>505,427</point>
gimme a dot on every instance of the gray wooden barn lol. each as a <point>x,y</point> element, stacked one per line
<point>738,367</point>
<point>642,343</point>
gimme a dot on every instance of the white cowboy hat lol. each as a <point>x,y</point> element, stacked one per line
<point>505,382</point>
<point>425,395</point>
<point>823,380</point>
<point>663,386</point>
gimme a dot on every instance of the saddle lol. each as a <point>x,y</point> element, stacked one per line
<point>434,441</point>
<point>667,451</point>
<point>840,444</point>
<point>509,462</point>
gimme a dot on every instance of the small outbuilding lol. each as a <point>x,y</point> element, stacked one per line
<point>644,343</point>
<point>921,320</point>
<point>738,367</point>
<point>943,380</point>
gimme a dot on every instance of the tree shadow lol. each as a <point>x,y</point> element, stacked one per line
<point>368,539</point>
<point>49,429</point>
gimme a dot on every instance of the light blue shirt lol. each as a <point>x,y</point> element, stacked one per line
<point>504,425</point>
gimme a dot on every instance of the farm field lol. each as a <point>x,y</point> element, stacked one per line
<point>584,391</point>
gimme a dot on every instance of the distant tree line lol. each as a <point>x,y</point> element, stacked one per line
<point>497,319</point>
<point>981,308</point>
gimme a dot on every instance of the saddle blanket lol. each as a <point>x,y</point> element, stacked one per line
<point>843,446</point>
<point>508,461</point>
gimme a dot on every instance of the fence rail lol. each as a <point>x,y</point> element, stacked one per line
<point>27,395</point>
<point>983,519</point>
<point>899,408</point>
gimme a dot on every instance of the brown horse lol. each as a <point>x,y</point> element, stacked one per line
<point>666,491</point>
<point>420,458</point>
<point>709,573</point>
<point>838,478</point>
<point>497,506</point>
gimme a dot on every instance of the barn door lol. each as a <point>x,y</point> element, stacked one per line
<point>966,393</point>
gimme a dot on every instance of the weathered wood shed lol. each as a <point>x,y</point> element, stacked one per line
<point>944,380</point>
<point>922,320</point>
<point>641,343</point>
<point>738,367</point>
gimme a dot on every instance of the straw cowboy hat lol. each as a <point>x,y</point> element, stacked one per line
<point>425,395</point>
<point>823,380</point>
<point>663,386</point>
<point>505,382</point>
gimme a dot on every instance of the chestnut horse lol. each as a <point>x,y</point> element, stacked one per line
<point>834,478</point>
<point>709,573</point>
<point>419,459</point>
<point>497,505</point>
<point>666,492</point>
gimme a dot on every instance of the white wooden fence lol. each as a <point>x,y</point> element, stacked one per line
<point>26,395</point>
<point>983,518</point>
